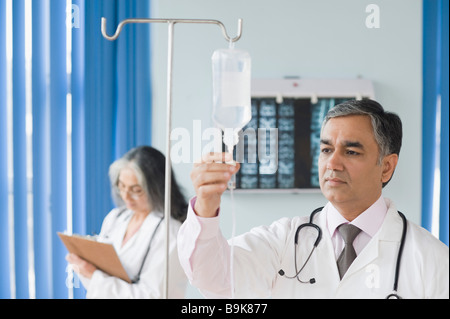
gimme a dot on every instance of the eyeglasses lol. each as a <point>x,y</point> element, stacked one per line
<point>135,191</point>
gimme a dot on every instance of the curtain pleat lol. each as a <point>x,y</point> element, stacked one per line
<point>41,150</point>
<point>78,132</point>
<point>142,79</point>
<point>444,160</point>
<point>19,151</point>
<point>435,114</point>
<point>58,142</point>
<point>98,113</point>
<point>5,291</point>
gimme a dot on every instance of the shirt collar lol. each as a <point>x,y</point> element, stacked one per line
<point>368,221</point>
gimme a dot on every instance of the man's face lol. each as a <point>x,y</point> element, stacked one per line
<point>350,177</point>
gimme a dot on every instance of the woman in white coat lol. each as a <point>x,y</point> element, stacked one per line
<point>135,229</point>
<point>360,145</point>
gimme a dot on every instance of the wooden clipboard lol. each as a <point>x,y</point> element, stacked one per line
<point>101,255</point>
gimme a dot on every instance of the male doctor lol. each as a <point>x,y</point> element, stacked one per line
<point>361,231</point>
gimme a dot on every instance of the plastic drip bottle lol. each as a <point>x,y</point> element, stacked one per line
<point>231,94</point>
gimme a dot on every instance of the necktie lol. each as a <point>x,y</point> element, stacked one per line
<point>348,233</point>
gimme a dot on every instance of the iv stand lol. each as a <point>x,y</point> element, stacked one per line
<point>171,23</point>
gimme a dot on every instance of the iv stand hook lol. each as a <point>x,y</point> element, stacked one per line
<point>170,21</point>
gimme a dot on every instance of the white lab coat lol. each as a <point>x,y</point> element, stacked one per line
<point>262,252</point>
<point>131,255</point>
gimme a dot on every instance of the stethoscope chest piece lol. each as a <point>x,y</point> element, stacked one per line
<point>393,295</point>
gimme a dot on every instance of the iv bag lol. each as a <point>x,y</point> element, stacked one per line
<point>231,92</point>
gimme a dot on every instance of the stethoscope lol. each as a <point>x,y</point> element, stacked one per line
<point>393,295</point>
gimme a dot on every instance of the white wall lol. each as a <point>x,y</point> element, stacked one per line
<point>306,38</point>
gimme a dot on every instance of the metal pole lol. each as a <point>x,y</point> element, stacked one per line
<point>168,180</point>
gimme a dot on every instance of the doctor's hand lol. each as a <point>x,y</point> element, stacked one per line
<point>210,178</point>
<point>81,266</point>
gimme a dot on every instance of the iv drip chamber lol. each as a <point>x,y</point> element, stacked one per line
<point>231,92</point>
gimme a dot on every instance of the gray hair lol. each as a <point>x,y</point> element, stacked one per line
<point>149,166</point>
<point>114,173</point>
<point>387,126</point>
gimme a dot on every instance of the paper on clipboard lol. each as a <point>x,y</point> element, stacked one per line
<point>101,255</point>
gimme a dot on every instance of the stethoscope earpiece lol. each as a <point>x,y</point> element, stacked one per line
<point>311,281</point>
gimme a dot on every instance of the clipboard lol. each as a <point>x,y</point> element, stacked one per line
<point>101,255</point>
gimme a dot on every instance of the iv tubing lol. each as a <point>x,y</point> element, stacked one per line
<point>231,187</point>
<point>171,23</point>
<point>233,233</point>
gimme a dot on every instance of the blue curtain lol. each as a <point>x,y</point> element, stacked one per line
<point>435,112</point>
<point>4,233</point>
<point>111,113</point>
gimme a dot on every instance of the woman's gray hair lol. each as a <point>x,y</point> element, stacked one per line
<point>114,173</point>
<point>387,126</point>
<point>149,166</point>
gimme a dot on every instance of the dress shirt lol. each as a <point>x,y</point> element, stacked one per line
<point>368,221</point>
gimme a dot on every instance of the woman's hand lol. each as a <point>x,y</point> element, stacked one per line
<point>210,178</point>
<point>81,266</point>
